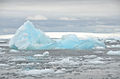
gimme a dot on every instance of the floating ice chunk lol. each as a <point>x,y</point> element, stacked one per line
<point>65,61</point>
<point>98,52</point>
<point>27,37</point>
<point>37,71</point>
<point>98,47</point>
<point>111,41</point>
<point>98,58</point>
<point>4,65</point>
<point>60,71</point>
<point>38,55</point>
<point>113,46</point>
<point>12,50</point>
<point>46,53</point>
<point>113,52</point>
<point>25,64</point>
<point>95,61</point>
<point>90,56</point>
<point>18,59</point>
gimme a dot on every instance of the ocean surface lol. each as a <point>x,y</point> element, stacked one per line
<point>60,64</point>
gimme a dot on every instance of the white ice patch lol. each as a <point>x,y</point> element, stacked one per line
<point>95,61</point>
<point>113,46</point>
<point>111,41</point>
<point>99,47</point>
<point>60,71</point>
<point>3,65</point>
<point>12,50</point>
<point>25,64</point>
<point>18,59</point>
<point>46,53</point>
<point>38,72</point>
<point>98,52</point>
<point>90,56</point>
<point>65,61</point>
<point>113,52</point>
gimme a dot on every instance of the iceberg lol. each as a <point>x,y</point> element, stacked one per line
<point>27,37</point>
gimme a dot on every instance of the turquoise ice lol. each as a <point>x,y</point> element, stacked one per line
<point>27,37</point>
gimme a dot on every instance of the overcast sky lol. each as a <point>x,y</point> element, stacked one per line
<point>51,8</point>
<point>100,15</point>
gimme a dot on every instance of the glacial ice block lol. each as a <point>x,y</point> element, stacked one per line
<point>71,41</point>
<point>27,37</point>
<point>68,42</point>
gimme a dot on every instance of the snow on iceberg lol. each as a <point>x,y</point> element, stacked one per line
<point>27,37</point>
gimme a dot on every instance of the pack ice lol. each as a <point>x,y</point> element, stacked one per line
<point>27,37</point>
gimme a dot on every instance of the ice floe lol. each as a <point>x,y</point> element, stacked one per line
<point>90,56</point>
<point>95,61</point>
<point>65,61</point>
<point>113,52</point>
<point>3,65</point>
<point>61,71</point>
<point>46,53</point>
<point>12,50</point>
<point>38,71</point>
<point>18,59</point>
<point>25,64</point>
<point>113,46</point>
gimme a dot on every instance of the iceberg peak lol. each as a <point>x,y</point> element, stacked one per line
<point>28,37</point>
<point>28,24</point>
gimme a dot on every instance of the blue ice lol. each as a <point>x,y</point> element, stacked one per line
<point>27,37</point>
